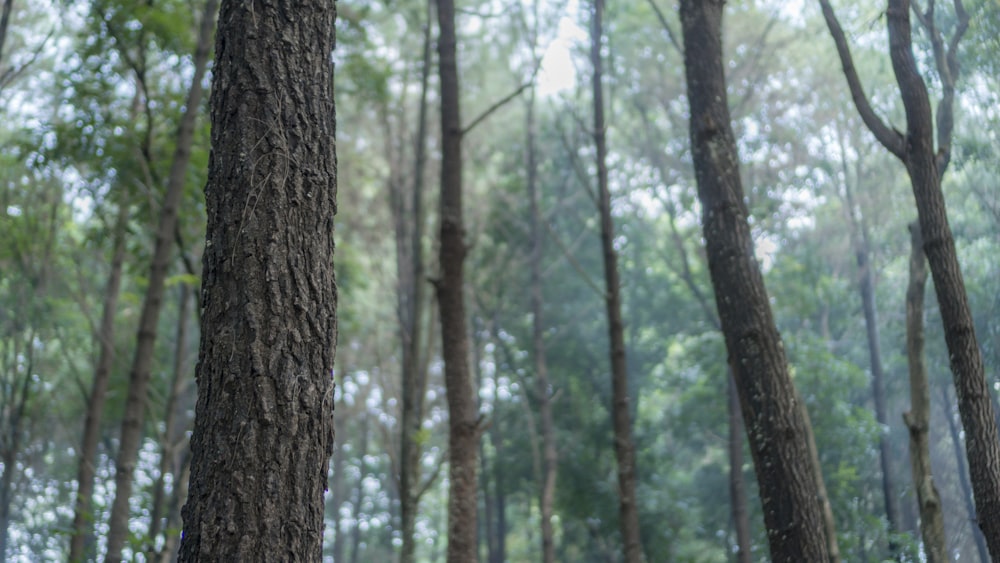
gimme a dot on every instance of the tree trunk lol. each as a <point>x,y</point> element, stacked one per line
<point>628,510</point>
<point>543,392</point>
<point>263,432</point>
<point>81,546</point>
<point>411,309</point>
<point>918,418</point>
<point>737,487</point>
<point>777,424</point>
<point>866,287</point>
<point>963,475</point>
<point>173,436</point>
<point>463,427</point>
<point>135,402</point>
<point>926,167</point>
<point>359,492</point>
<point>337,493</point>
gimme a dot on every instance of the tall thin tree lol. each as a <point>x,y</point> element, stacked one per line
<point>926,167</point>
<point>263,432</point>
<point>777,424</point>
<point>628,510</point>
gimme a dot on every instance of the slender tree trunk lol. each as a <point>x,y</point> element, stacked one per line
<point>776,421</point>
<point>135,402</point>
<point>171,532</point>
<point>918,418</point>
<point>926,166</point>
<point>12,441</point>
<point>81,546</point>
<point>463,427</point>
<point>628,510</point>
<point>543,391</point>
<point>866,287</point>
<point>963,475</point>
<point>414,377</point>
<point>737,487</point>
<point>263,432</point>
<point>359,492</point>
<point>337,492</point>
<point>173,436</point>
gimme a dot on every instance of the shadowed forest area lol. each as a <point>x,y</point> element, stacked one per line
<point>646,280</point>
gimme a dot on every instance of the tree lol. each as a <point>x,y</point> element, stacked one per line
<point>926,167</point>
<point>263,431</point>
<point>776,422</point>
<point>142,362</point>
<point>463,427</point>
<point>628,511</point>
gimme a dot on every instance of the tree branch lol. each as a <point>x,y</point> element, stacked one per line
<point>890,138</point>
<point>502,102</point>
<point>666,26</point>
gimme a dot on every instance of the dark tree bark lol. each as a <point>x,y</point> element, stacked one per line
<point>628,510</point>
<point>135,402</point>
<point>926,167</point>
<point>919,417</point>
<point>411,307</point>
<point>737,487</point>
<point>81,545</point>
<point>263,432</point>
<point>463,426</point>
<point>777,424</point>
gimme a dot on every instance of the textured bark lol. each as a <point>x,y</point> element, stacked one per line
<point>926,167</point>
<point>263,432</point>
<point>81,545</point>
<point>919,417</point>
<point>777,424</point>
<point>628,510</point>
<point>463,427</point>
<point>543,393</point>
<point>411,307</point>
<point>135,402</point>
<point>737,487</point>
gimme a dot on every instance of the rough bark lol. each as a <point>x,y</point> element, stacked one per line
<point>737,487</point>
<point>263,432</point>
<point>776,422</point>
<point>135,402</point>
<point>918,418</point>
<point>411,321</point>
<point>463,427</point>
<point>926,167</point>
<point>81,545</point>
<point>628,510</point>
<point>543,392</point>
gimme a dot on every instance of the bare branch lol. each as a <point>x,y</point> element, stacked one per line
<point>890,138</point>
<point>502,102</point>
<point>666,26</point>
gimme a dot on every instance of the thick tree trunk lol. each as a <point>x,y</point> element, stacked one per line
<point>543,392</point>
<point>737,487</point>
<point>411,308</point>
<point>776,422</point>
<point>963,474</point>
<point>628,510</point>
<point>919,416</point>
<point>463,427</point>
<point>135,402</point>
<point>263,430</point>
<point>81,545</point>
